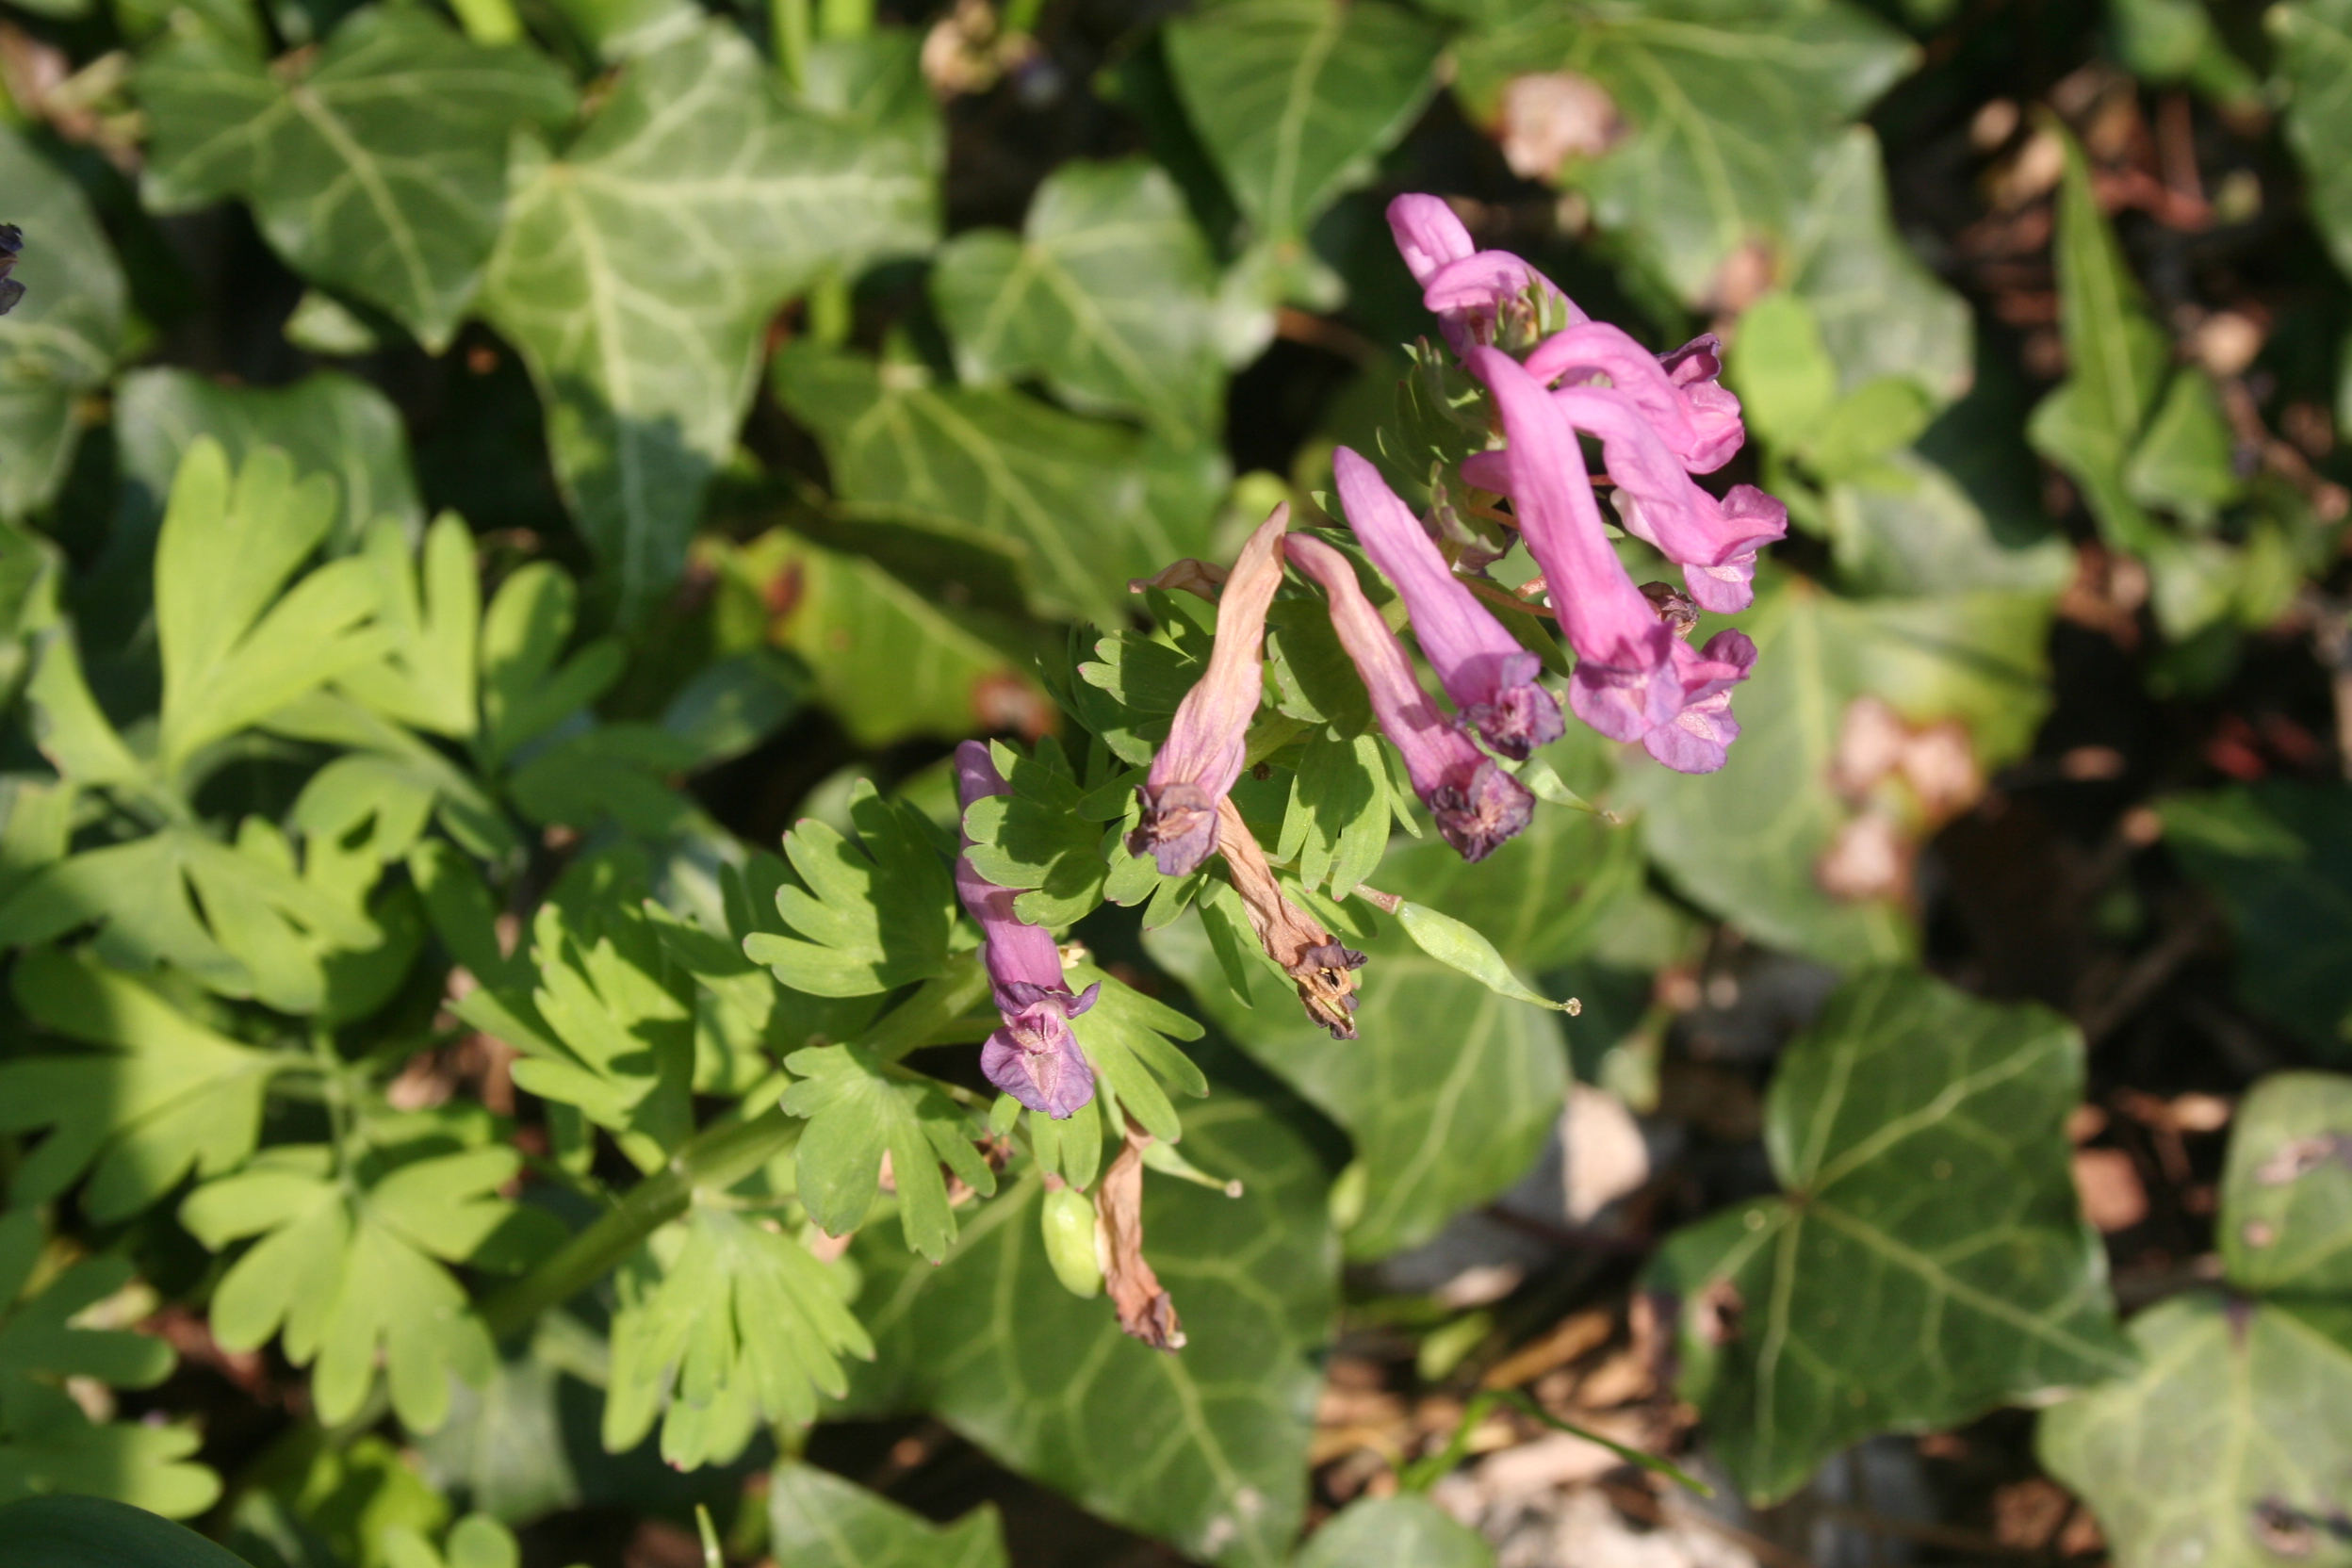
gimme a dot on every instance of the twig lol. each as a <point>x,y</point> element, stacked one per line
<point>2146,977</point>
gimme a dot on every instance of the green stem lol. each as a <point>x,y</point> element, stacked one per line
<point>844,17</point>
<point>717,1158</point>
<point>789,19</point>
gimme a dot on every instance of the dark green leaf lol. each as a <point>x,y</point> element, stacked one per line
<point>818,1520</point>
<point>2280,854</point>
<point>1931,1259</point>
<point>2286,1200</point>
<point>1108,295</point>
<point>2185,462</point>
<point>378,167</point>
<point>60,340</point>
<point>1082,505</point>
<point>1206,1447</point>
<point>2314,74</point>
<point>638,271</point>
<point>98,1532</point>
<point>859,1110</point>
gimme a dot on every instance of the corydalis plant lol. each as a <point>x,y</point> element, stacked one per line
<point>1034,1057</point>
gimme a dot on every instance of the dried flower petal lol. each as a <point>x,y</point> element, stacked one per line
<point>1034,1057</point>
<point>1323,971</point>
<point>1477,805</point>
<point>1145,1310</point>
<point>1204,750</point>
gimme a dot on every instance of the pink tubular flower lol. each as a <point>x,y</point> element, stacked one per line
<point>1477,805</point>
<point>1482,667</point>
<point>1635,678</point>
<point>1034,1057</point>
<point>1697,419</point>
<point>1466,288</point>
<point>1714,542</point>
<point>1196,766</point>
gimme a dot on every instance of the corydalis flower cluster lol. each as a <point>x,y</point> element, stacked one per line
<point>1659,419</point>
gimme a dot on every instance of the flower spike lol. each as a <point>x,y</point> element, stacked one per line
<point>1198,763</point>
<point>1477,805</point>
<point>1635,678</point>
<point>1034,1057</point>
<point>1490,677</point>
<point>1698,421</point>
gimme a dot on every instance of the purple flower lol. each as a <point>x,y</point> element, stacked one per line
<point>1198,763</point>
<point>1034,1057</point>
<point>1635,678</point>
<point>1697,419</point>
<point>1482,667</point>
<point>1477,805</point>
<point>1715,542</point>
<point>1470,290</point>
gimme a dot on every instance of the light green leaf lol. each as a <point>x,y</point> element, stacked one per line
<point>1040,837</point>
<point>1746,841</point>
<point>2174,40</point>
<point>528,687</point>
<point>619,1021</point>
<point>378,167</point>
<point>1337,826</point>
<point>1735,111</point>
<point>427,679</point>
<point>724,1327</point>
<point>353,1277</point>
<point>2314,76</point>
<point>1461,947</point>
<point>1435,1130</point>
<point>1108,295</point>
<point>860,1108</point>
<point>2286,1200</point>
<point>638,271</point>
<point>818,1520</point>
<point>1787,381</point>
<point>1295,99</point>
<point>168,1097</point>
<point>1080,505</point>
<point>1130,1040</point>
<point>2280,854</point>
<point>1128,694</point>
<point>884,659</point>
<point>1205,1448</point>
<point>1931,1260</point>
<point>873,914</point>
<point>2115,359</point>
<point>1408,1531</point>
<point>1881,312</point>
<point>618,773</point>
<point>328,423</point>
<point>60,341</point>
<point>2227,1448</point>
<point>2185,461</point>
<point>263,931</point>
<point>1908,526</point>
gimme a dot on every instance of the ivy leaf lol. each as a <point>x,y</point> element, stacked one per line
<point>886,661</point>
<point>1206,1450</point>
<point>818,1520</point>
<point>2184,462</point>
<point>61,339</point>
<point>858,1112</point>
<point>379,170</point>
<point>2279,854</point>
<point>2287,1195</point>
<point>1295,99</point>
<point>1733,110</point>
<point>724,1327</point>
<point>2223,1448</point>
<point>59,1529</point>
<point>1746,843</point>
<point>169,1097</point>
<point>873,914</point>
<point>2226,1448</point>
<point>263,932</point>
<point>2314,75</point>
<point>46,1443</point>
<point>427,679</point>
<point>1434,1130</point>
<point>1082,505</point>
<point>1931,1260</point>
<point>1408,1531</point>
<point>638,271</point>
<point>352,1276</point>
<point>1108,295</point>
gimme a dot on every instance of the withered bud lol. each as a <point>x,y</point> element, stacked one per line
<point>1674,607</point>
<point>1324,972</point>
<point>1146,1311</point>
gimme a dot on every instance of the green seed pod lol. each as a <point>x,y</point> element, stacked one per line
<point>1067,1219</point>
